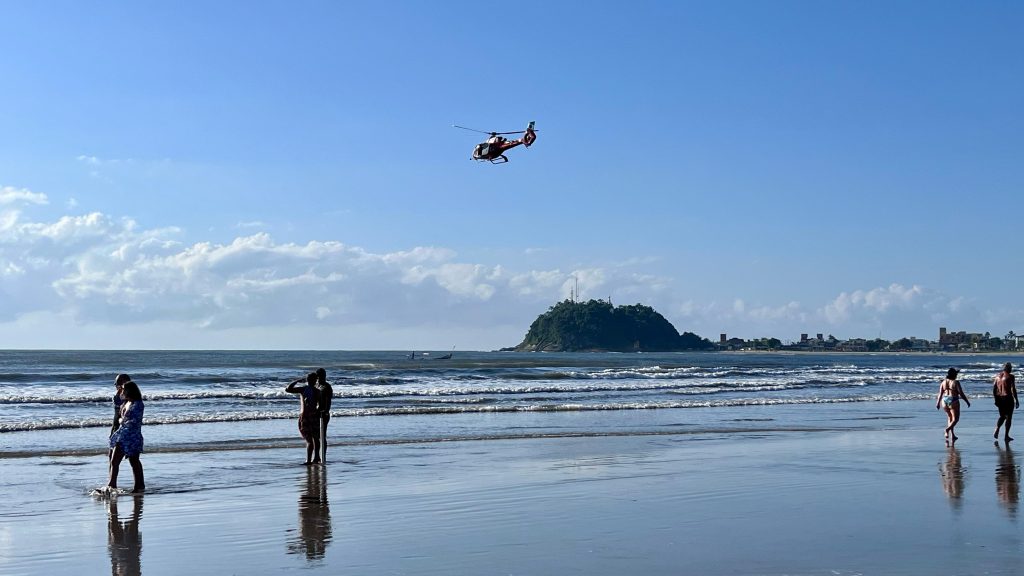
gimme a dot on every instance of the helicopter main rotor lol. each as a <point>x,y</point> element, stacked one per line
<point>490,133</point>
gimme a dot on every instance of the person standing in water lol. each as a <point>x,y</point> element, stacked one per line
<point>948,399</point>
<point>1004,391</point>
<point>324,409</point>
<point>119,381</point>
<point>309,421</point>
<point>126,441</point>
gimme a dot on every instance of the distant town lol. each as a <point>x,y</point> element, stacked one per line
<point>947,342</point>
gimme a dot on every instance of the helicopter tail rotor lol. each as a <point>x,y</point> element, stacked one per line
<point>529,135</point>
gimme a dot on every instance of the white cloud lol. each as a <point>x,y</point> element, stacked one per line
<point>891,312</point>
<point>11,195</point>
<point>103,168</point>
<point>98,269</point>
<point>96,161</point>
<point>589,281</point>
<point>875,302</point>
<point>790,311</point>
<point>898,310</point>
<point>740,318</point>
<point>536,282</point>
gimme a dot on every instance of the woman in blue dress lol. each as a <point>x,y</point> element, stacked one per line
<point>126,441</point>
<point>118,401</point>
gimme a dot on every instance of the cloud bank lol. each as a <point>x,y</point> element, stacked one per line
<point>83,273</point>
<point>95,269</point>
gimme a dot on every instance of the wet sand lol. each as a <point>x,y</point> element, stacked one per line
<point>786,502</point>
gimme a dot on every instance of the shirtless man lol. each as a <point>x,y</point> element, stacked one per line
<point>1004,390</point>
<point>324,409</point>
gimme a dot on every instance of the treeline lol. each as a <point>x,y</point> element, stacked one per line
<point>597,325</point>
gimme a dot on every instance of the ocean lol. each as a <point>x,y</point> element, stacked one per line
<point>511,463</point>
<point>54,402</point>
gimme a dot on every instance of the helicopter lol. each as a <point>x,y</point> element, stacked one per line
<point>494,148</point>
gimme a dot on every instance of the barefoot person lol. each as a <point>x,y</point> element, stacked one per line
<point>309,418</point>
<point>118,401</point>
<point>126,441</point>
<point>1004,390</point>
<point>324,409</point>
<point>948,399</point>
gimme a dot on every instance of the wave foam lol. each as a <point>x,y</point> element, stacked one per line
<point>56,424</point>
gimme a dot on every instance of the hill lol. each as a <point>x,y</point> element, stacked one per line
<point>598,326</point>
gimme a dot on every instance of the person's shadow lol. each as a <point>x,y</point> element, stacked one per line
<point>952,473</point>
<point>124,540</point>
<point>1007,480</point>
<point>314,531</point>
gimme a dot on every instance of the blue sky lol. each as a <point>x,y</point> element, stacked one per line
<point>285,175</point>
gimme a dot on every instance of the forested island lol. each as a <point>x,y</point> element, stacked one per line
<point>596,325</point>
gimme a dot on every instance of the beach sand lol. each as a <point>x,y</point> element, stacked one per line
<point>833,502</point>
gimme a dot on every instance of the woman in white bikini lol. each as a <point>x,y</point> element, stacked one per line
<point>948,399</point>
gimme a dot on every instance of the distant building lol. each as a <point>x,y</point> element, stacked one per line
<point>726,343</point>
<point>816,344</point>
<point>952,340</point>
<point>853,345</point>
<point>1013,340</point>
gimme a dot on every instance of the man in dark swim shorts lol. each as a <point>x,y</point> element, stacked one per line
<point>1004,390</point>
<point>326,394</point>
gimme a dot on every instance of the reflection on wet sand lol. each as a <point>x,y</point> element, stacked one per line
<point>123,538</point>
<point>1007,480</point>
<point>952,473</point>
<point>314,532</point>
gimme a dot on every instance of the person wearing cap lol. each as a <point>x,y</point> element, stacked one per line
<point>948,399</point>
<point>1004,391</point>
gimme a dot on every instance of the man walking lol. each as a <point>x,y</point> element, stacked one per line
<point>1004,390</point>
